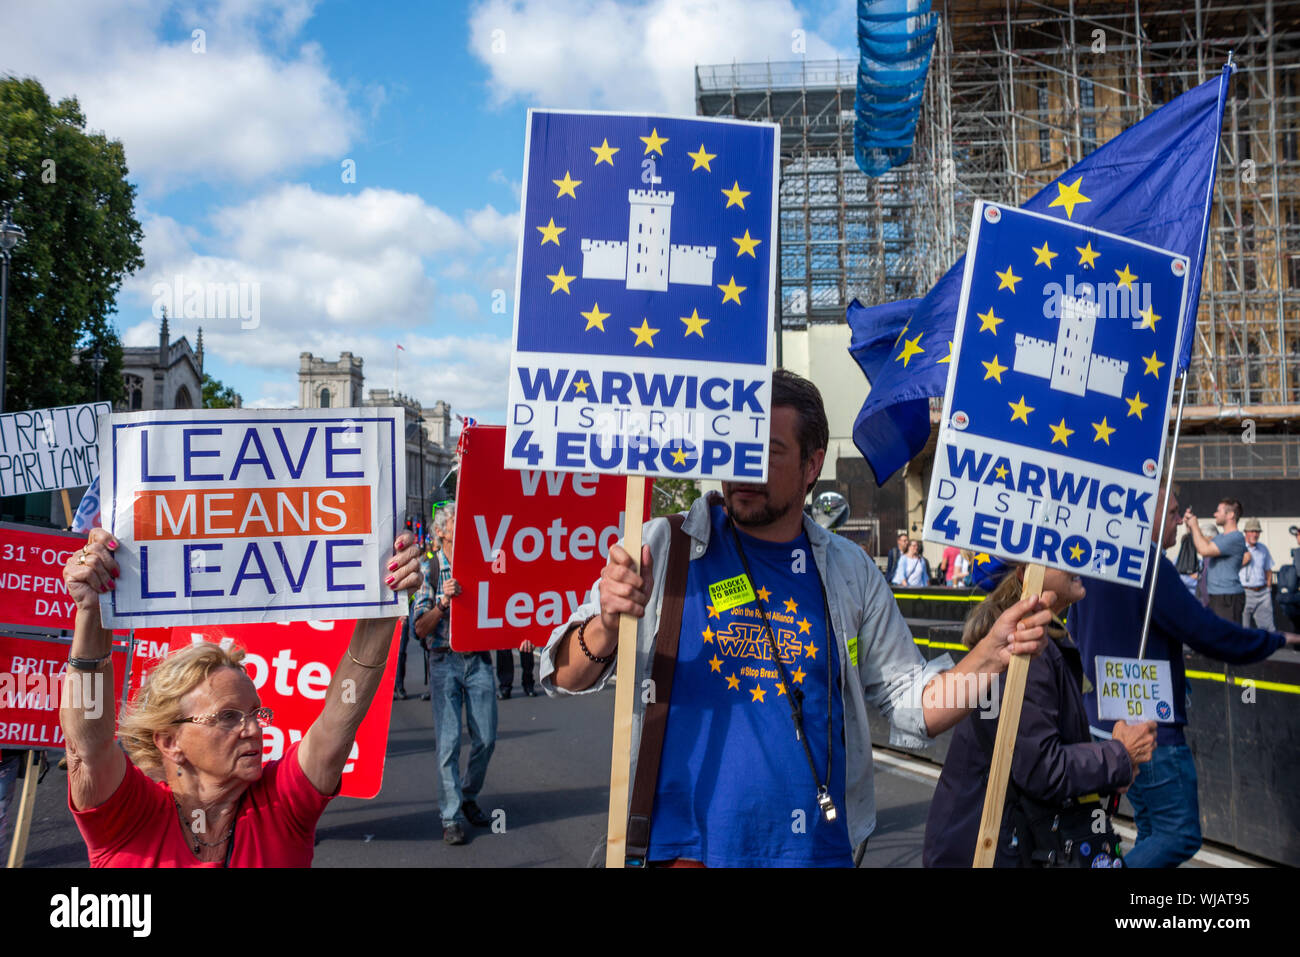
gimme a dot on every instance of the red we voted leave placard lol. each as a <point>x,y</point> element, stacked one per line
<point>528,544</point>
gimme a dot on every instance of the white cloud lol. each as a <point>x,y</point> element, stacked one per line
<point>494,228</point>
<point>616,54</point>
<point>236,111</point>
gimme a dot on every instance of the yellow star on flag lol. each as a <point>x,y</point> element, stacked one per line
<point>595,318</point>
<point>910,348</point>
<point>988,321</point>
<point>1087,255</point>
<point>715,663</point>
<point>1104,431</point>
<point>810,650</point>
<point>746,244</point>
<point>679,456</point>
<point>1061,434</point>
<point>708,635</point>
<point>757,693</point>
<point>948,357</point>
<point>694,324</point>
<point>1069,197</point>
<point>982,558</point>
<point>1136,405</point>
<point>644,334</point>
<point>566,185</point>
<point>1001,471</point>
<point>1153,365</point>
<point>580,386</point>
<point>798,676</point>
<point>733,683</point>
<point>993,370</point>
<point>1043,256</point>
<point>1020,411</point>
<point>713,612</point>
<point>805,626</point>
<point>1149,318</point>
<point>604,153</point>
<point>791,606</point>
<point>701,159</point>
<point>1076,552</point>
<point>731,292</point>
<point>780,689</point>
<point>550,232</point>
<point>1125,278</point>
<point>653,143</point>
<point>560,281</point>
<point>764,594</point>
<point>1007,279</point>
<point>735,195</point>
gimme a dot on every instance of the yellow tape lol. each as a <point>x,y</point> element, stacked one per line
<point>1246,682</point>
<point>966,598</point>
<point>955,646</point>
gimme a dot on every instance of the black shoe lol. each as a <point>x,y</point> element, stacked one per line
<point>503,694</point>
<point>400,695</point>
<point>474,814</point>
<point>453,833</point>
<point>426,696</point>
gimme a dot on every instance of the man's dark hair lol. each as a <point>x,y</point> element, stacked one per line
<point>1233,504</point>
<point>801,395</point>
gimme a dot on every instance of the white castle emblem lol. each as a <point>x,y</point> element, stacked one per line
<point>1069,362</point>
<point>648,260</point>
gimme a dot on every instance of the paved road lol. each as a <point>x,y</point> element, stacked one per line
<point>549,778</point>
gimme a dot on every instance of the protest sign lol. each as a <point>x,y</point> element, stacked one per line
<point>529,544</point>
<point>1130,689</point>
<point>31,680</point>
<point>45,450</point>
<point>291,664</point>
<point>644,301</point>
<point>31,577</point>
<point>233,515</point>
<point>1059,386</point>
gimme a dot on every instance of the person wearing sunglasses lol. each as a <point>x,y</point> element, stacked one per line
<point>187,787</point>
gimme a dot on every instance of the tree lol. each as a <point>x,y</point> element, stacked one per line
<point>71,196</point>
<point>218,395</point>
<point>673,495</point>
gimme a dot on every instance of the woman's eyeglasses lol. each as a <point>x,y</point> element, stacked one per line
<point>231,718</point>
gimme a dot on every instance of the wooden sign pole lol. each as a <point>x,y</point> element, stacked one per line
<point>67,507</point>
<point>26,808</point>
<point>1013,695</point>
<point>625,688</point>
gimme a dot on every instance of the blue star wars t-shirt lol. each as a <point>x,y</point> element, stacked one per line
<point>734,785</point>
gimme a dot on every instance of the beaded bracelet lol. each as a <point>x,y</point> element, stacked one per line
<point>583,645</point>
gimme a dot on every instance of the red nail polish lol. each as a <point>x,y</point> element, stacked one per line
<point>112,544</point>
<point>112,585</point>
<point>389,580</point>
<point>392,566</point>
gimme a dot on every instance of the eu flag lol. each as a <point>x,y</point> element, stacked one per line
<point>647,237</point>
<point>1153,183</point>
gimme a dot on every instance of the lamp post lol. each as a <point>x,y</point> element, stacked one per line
<point>11,234</point>
<point>97,363</point>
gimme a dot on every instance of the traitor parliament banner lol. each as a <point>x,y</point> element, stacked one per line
<point>644,302</point>
<point>1059,386</point>
<point>528,544</point>
<point>233,515</point>
<point>45,450</point>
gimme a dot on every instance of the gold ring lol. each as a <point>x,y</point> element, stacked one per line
<point>81,557</point>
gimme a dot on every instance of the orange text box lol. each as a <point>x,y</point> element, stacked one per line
<point>198,513</point>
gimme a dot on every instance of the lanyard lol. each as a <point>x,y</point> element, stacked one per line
<point>795,696</point>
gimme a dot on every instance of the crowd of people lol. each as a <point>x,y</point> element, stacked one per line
<point>180,781</point>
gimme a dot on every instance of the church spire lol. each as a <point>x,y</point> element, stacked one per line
<point>164,339</point>
<point>199,351</point>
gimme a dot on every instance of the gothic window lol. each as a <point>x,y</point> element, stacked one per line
<point>183,400</point>
<point>324,398</point>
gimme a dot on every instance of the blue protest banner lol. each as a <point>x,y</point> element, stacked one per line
<point>1059,384</point>
<point>644,303</point>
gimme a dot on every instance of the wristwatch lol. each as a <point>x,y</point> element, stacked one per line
<point>443,603</point>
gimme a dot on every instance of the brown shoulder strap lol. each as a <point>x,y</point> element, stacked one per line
<point>655,722</point>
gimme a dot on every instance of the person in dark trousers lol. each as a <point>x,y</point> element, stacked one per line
<point>506,671</point>
<point>1055,758</point>
<point>1108,622</point>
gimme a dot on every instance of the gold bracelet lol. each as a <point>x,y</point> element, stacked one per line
<point>362,663</point>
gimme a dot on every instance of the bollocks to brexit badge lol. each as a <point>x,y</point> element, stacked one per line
<point>1059,384</point>
<point>644,303</point>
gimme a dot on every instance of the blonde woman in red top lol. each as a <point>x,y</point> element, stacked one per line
<point>187,787</point>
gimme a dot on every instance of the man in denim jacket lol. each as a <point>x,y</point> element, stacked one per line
<point>878,664</point>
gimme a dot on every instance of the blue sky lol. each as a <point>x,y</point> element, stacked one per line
<point>239,140</point>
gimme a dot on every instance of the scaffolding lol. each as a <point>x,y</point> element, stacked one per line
<point>1020,90</point>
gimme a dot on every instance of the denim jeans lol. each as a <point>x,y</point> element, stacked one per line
<point>8,788</point>
<point>1165,809</point>
<point>462,680</point>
